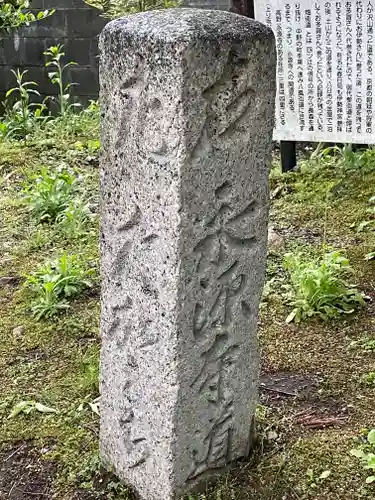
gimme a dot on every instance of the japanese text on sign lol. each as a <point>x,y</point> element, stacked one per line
<point>325,64</point>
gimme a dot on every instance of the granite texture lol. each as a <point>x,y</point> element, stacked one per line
<point>187,101</point>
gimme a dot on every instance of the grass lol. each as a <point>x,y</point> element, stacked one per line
<point>55,362</point>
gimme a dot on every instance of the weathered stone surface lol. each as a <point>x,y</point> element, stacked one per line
<point>188,102</point>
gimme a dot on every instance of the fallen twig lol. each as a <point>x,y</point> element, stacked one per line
<point>318,423</point>
<point>15,452</point>
<point>280,391</point>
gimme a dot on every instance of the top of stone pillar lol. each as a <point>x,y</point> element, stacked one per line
<point>188,25</point>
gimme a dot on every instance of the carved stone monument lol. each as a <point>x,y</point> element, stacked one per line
<point>187,100</point>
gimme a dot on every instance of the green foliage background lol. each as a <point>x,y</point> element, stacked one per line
<point>16,14</point>
<point>117,8</point>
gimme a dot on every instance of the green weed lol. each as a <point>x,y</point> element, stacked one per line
<point>51,193</point>
<point>365,344</point>
<point>27,407</point>
<point>21,115</point>
<point>74,125</point>
<point>92,146</point>
<point>320,288</point>
<point>54,56</point>
<point>368,379</point>
<point>74,221</point>
<point>344,159</point>
<point>88,380</point>
<point>57,282</point>
<point>94,474</point>
<point>24,118</point>
<point>366,453</point>
<point>48,302</point>
<point>369,224</point>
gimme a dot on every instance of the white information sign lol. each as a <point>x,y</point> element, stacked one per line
<point>325,69</point>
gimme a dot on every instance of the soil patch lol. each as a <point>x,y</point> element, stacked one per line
<point>24,475</point>
<point>278,387</point>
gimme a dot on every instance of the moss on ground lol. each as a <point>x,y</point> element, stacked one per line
<point>55,362</point>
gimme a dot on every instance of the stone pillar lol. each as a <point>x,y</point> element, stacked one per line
<point>187,101</point>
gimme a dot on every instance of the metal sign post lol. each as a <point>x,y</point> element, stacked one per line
<point>243,7</point>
